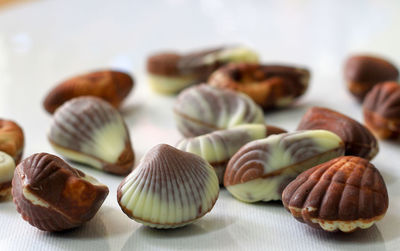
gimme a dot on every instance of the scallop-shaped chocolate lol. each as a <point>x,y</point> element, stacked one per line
<point>219,146</point>
<point>382,110</point>
<point>90,131</point>
<point>358,140</point>
<point>53,196</point>
<point>7,166</point>
<point>202,109</point>
<point>169,188</point>
<point>343,194</point>
<point>261,169</point>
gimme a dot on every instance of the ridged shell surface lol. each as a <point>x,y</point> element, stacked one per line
<point>343,194</point>
<point>358,140</point>
<point>219,146</point>
<point>202,109</point>
<point>261,169</point>
<point>169,188</point>
<point>91,131</point>
<point>53,196</point>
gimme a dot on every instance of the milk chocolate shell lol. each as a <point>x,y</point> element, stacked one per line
<point>111,86</point>
<point>53,196</point>
<point>219,146</point>
<point>269,86</point>
<point>261,169</point>
<point>343,194</point>
<point>202,109</point>
<point>363,72</point>
<point>382,110</point>
<point>358,140</point>
<point>7,167</point>
<point>11,139</point>
<point>169,188</point>
<point>90,131</point>
<point>170,72</point>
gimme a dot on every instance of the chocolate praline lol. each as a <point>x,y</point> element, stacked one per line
<point>53,196</point>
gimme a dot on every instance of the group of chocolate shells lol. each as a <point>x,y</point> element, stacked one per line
<point>321,171</point>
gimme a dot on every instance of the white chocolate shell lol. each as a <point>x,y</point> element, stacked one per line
<point>169,188</point>
<point>219,146</point>
<point>261,169</point>
<point>90,131</point>
<point>202,109</point>
<point>7,167</point>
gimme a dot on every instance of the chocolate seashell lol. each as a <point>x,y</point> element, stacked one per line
<point>261,169</point>
<point>7,167</point>
<point>382,110</point>
<point>90,131</point>
<point>202,109</point>
<point>358,140</point>
<point>11,139</point>
<point>219,146</point>
<point>111,86</point>
<point>169,188</point>
<point>343,194</point>
<point>170,72</point>
<point>270,86</point>
<point>53,196</point>
<point>363,72</point>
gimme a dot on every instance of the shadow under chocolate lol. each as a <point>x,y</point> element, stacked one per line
<point>185,237</point>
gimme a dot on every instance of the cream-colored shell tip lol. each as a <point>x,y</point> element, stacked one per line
<point>261,169</point>
<point>169,188</point>
<point>7,167</point>
<point>90,131</point>
<point>203,108</point>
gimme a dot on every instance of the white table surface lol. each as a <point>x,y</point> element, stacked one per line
<point>44,42</point>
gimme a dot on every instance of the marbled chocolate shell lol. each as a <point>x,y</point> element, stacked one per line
<point>219,146</point>
<point>53,196</point>
<point>261,169</point>
<point>7,167</point>
<point>343,194</point>
<point>169,188</point>
<point>202,109</point>
<point>382,110</point>
<point>90,131</point>
<point>358,140</point>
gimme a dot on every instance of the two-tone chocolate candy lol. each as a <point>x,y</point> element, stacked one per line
<point>270,86</point>
<point>169,188</point>
<point>358,140</point>
<point>203,108</point>
<point>53,196</point>
<point>219,146</point>
<point>382,110</point>
<point>111,86</point>
<point>90,131</point>
<point>261,169</point>
<point>363,72</point>
<point>170,72</point>
<point>11,139</point>
<point>346,193</point>
<point>7,167</point>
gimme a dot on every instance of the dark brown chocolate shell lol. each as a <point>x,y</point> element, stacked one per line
<point>343,194</point>
<point>53,196</point>
<point>382,110</point>
<point>359,141</point>
<point>363,72</point>
<point>111,86</point>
